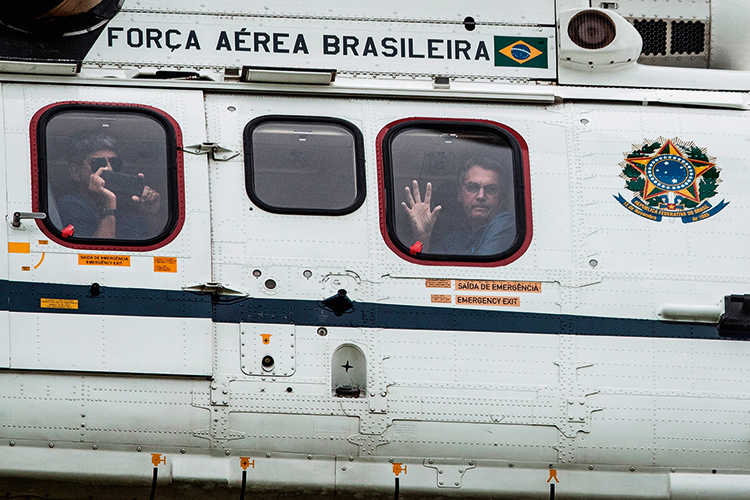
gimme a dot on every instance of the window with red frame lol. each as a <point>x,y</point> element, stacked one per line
<point>454,190</point>
<point>107,174</point>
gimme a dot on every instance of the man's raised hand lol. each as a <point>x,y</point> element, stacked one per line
<point>421,217</point>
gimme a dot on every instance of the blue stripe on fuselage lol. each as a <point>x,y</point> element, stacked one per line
<point>25,297</point>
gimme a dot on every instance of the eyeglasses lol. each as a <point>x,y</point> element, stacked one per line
<point>489,189</point>
<point>101,162</point>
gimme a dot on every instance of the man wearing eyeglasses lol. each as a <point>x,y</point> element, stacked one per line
<point>488,230</point>
<point>92,209</point>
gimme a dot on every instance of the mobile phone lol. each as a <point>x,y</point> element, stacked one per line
<point>129,185</point>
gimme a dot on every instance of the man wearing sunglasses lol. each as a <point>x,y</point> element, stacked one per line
<point>93,208</point>
<point>487,230</point>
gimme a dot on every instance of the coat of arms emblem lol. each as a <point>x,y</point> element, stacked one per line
<point>670,178</point>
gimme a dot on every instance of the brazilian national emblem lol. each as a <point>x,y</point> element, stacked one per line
<point>670,178</point>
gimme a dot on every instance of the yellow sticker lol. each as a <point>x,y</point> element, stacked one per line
<point>472,300</point>
<point>499,286</point>
<point>103,260</point>
<point>59,303</point>
<point>19,247</point>
<point>440,299</point>
<point>437,283</point>
<point>165,264</point>
<point>43,242</point>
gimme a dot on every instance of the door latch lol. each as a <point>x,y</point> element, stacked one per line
<point>217,152</point>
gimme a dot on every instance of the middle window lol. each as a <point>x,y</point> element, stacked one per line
<point>304,165</point>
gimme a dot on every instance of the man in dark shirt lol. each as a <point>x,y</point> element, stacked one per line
<point>92,209</point>
<point>487,230</point>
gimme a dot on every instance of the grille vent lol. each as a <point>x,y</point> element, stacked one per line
<point>688,37</point>
<point>673,43</point>
<point>654,35</point>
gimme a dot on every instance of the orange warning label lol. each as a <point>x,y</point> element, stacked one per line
<point>440,299</point>
<point>19,247</point>
<point>165,264</point>
<point>59,303</point>
<point>437,283</point>
<point>103,260</point>
<point>43,242</point>
<point>469,300</point>
<point>499,286</point>
<point>25,268</point>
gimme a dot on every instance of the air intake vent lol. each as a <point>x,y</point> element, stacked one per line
<point>654,34</point>
<point>673,43</point>
<point>688,37</point>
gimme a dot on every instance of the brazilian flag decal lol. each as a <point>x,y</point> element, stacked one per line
<point>513,51</point>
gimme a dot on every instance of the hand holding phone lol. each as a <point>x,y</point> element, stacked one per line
<point>125,184</point>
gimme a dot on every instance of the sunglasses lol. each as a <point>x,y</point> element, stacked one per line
<point>489,189</point>
<point>101,162</point>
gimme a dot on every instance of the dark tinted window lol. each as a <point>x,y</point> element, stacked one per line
<point>454,191</point>
<point>107,175</point>
<point>304,165</point>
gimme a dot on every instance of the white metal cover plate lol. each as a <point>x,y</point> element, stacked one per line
<point>259,342</point>
<point>173,346</point>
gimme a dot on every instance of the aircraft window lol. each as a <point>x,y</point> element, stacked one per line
<point>304,165</point>
<point>107,175</point>
<point>454,191</point>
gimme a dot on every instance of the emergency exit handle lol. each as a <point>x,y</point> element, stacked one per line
<point>19,216</point>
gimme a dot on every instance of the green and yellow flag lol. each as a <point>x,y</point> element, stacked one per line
<point>529,52</point>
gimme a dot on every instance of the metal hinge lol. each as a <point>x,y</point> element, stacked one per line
<point>217,152</point>
<point>214,289</point>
